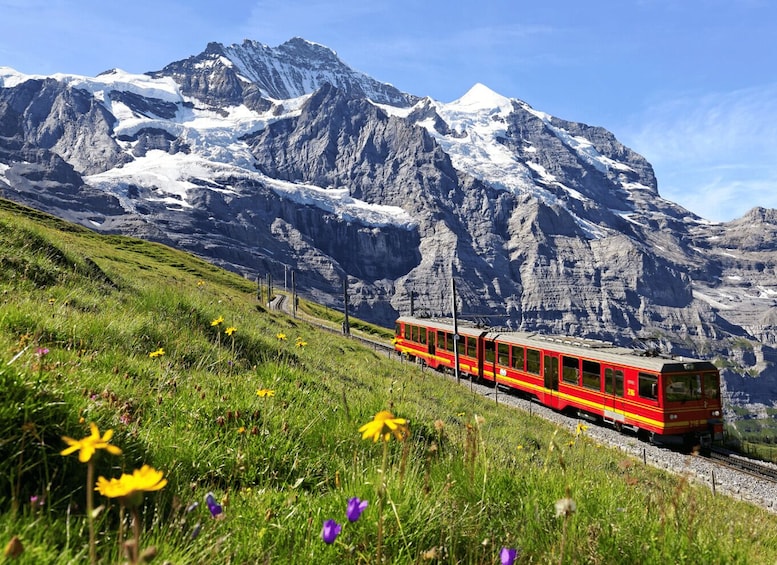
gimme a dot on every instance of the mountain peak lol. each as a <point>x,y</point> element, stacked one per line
<point>482,97</point>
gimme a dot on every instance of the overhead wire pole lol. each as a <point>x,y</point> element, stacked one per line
<point>455,330</point>
<point>346,325</point>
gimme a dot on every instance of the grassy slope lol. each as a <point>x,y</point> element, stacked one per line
<point>473,476</point>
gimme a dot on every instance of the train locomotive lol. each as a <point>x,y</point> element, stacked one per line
<point>670,401</point>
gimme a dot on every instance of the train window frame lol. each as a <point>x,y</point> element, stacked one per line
<point>532,364</point>
<point>592,374</point>
<point>617,374</point>
<point>408,332</point>
<point>569,364</point>
<point>503,354</point>
<point>472,347</point>
<point>422,335</point>
<point>490,352</point>
<point>414,334</point>
<point>517,357</point>
<point>711,381</point>
<point>647,386</point>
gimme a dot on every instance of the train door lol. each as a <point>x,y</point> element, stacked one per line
<point>550,373</point>
<point>613,400</point>
<point>432,341</point>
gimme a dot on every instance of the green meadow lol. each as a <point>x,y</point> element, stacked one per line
<point>239,436</point>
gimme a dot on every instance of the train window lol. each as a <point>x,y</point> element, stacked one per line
<point>462,346</point>
<point>681,388</point>
<point>490,352</point>
<point>422,335</point>
<point>711,385</point>
<point>448,342</point>
<point>533,361</point>
<point>503,354</point>
<point>613,382</point>
<point>592,375</point>
<point>517,360</point>
<point>408,335</point>
<point>414,336</point>
<point>397,329</point>
<point>471,347</point>
<point>570,371</point>
<point>648,386</point>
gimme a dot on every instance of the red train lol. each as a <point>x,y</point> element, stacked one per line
<point>670,400</point>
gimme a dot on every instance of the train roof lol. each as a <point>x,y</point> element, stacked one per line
<point>588,348</point>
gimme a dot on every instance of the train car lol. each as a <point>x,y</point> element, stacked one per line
<point>670,400</point>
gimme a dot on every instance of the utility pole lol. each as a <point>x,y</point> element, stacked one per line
<point>412,303</point>
<point>455,330</point>
<point>293,294</point>
<point>346,326</point>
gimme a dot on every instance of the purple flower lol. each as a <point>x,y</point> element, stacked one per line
<point>507,556</point>
<point>355,508</point>
<point>330,531</point>
<point>214,507</point>
<point>42,351</point>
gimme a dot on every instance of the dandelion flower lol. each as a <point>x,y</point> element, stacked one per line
<point>87,446</point>
<point>330,531</point>
<point>565,507</point>
<point>265,392</point>
<point>383,425</point>
<point>300,342</point>
<point>355,508</point>
<point>130,488</point>
<point>230,330</point>
<point>217,321</point>
<point>580,429</point>
<point>158,353</point>
<point>281,336</point>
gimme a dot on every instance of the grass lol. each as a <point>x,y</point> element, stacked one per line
<point>80,315</point>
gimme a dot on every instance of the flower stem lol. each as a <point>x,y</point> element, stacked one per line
<point>90,510</point>
<point>381,502</point>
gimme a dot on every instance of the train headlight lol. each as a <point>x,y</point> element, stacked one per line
<point>673,416</point>
<point>716,413</point>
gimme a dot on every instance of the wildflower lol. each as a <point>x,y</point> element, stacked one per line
<point>217,321</point>
<point>581,428</point>
<point>281,336</point>
<point>507,556</point>
<point>130,488</point>
<point>265,392</point>
<point>565,507</point>
<point>42,351</point>
<point>355,508</point>
<point>37,501</point>
<point>158,353</point>
<point>241,430</point>
<point>87,446</point>
<point>200,283</point>
<point>384,424</point>
<point>230,330</point>
<point>52,300</point>
<point>214,507</point>
<point>300,342</point>
<point>330,531</point>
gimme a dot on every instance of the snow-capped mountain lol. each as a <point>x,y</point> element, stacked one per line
<point>266,159</point>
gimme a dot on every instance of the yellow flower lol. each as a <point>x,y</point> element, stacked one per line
<point>281,336</point>
<point>130,487</point>
<point>217,321</point>
<point>230,330</point>
<point>300,342</point>
<point>581,427</point>
<point>200,283</point>
<point>241,430</point>
<point>265,392</point>
<point>383,425</point>
<point>87,446</point>
<point>158,353</point>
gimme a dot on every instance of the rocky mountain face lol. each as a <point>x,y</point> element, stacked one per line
<point>268,159</point>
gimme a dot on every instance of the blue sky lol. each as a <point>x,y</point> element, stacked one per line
<point>689,84</point>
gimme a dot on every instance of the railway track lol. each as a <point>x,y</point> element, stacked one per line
<point>732,460</point>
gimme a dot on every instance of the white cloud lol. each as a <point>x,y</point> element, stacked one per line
<point>713,153</point>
